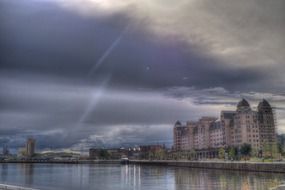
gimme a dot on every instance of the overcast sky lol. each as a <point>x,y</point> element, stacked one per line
<point>76,74</point>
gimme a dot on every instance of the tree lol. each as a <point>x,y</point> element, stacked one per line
<point>104,154</point>
<point>245,149</point>
<point>192,154</point>
<point>275,151</point>
<point>221,153</point>
<point>232,152</point>
<point>270,150</point>
<point>22,152</point>
<point>281,148</point>
<point>159,154</point>
<point>254,152</point>
<point>267,150</point>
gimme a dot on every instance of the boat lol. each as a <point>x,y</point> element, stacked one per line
<point>124,160</point>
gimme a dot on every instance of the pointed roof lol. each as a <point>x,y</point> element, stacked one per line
<point>178,123</point>
<point>243,103</point>
<point>264,104</point>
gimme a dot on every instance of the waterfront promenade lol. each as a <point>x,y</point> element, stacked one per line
<point>12,187</point>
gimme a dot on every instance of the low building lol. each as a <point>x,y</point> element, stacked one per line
<point>94,153</point>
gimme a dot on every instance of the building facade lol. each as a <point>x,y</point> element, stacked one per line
<point>234,128</point>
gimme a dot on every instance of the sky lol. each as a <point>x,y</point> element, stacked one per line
<point>76,74</point>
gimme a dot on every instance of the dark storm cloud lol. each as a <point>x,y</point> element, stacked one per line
<point>174,61</point>
<point>53,41</point>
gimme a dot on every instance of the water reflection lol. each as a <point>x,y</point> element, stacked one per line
<point>27,170</point>
<point>224,180</point>
<point>4,172</point>
<point>132,177</point>
<point>188,179</point>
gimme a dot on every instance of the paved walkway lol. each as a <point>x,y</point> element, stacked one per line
<point>12,187</point>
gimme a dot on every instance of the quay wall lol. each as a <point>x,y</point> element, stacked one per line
<point>229,165</point>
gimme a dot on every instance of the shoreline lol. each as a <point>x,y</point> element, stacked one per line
<point>274,167</point>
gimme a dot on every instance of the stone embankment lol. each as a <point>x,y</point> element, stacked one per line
<point>278,167</point>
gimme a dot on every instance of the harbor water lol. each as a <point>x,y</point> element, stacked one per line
<point>133,177</point>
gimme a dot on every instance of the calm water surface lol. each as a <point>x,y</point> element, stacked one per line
<point>130,177</point>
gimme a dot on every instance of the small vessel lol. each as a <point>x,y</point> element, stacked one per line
<point>124,160</point>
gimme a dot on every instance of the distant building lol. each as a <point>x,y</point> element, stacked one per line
<point>94,153</point>
<point>30,147</point>
<point>110,153</point>
<point>234,128</point>
<point>5,150</point>
<point>151,151</point>
<point>151,148</point>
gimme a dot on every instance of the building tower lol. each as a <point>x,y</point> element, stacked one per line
<point>30,147</point>
<point>246,129</point>
<point>266,125</point>
<point>181,137</point>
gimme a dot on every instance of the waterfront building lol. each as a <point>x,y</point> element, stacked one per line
<point>30,147</point>
<point>182,137</point>
<point>266,121</point>
<point>245,128</point>
<point>234,128</point>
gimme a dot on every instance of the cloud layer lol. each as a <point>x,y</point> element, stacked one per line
<point>83,73</point>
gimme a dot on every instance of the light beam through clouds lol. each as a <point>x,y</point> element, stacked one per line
<point>99,91</point>
<point>108,51</point>
<point>96,95</point>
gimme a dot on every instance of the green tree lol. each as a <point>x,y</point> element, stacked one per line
<point>281,149</point>
<point>221,153</point>
<point>104,154</point>
<point>159,154</point>
<point>232,152</point>
<point>275,151</point>
<point>270,150</point>
<point>254,152</point>
<point>267,150</point>
<point>192,154</point>
<point>245,149</point>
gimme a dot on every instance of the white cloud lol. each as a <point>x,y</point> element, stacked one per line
<point>240,33</point>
